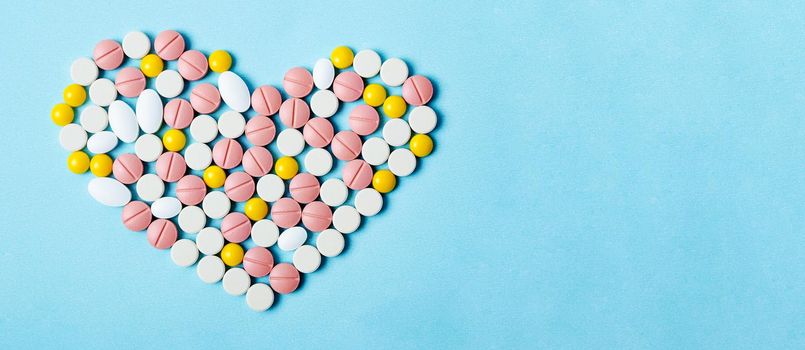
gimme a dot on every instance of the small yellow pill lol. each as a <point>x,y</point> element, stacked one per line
<point>421,145</point>
<point>220,61</point>
<point>174,140</point>
<point>286,168</point>
<point>256,209</point>
<point>78,162</point>
<point>152,65</point>
<point>342,57</point>
<point>74,95</point>
<point>374,95</point>
<point>384,181</point>
<point>62,114</point>
<point>394,107</point>
<point>101,165</point>
<point>232,254</point>
<point>214,176</point>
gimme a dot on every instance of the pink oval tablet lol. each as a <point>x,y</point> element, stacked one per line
<point>236,227</point>
<point>364,120</point>
<point>239,186</point>
<point>169,45</point>
<point>294,113</point>
<point>257,161</point>
<point>317,216</point>
<point>190,190</point>
<point>286,212</point>
<point>127,168</point>
<point>108,54</point>
<point>178,113</point>
<point>136,216</point>
<point>318,132</point>
<point>260,130</point>
<point>284,278</point>
<point>346,145</point>
<point>171,166</point>
<point>417,90</point>
<point>298,82</point>
<point>193,65</point>
<point>348,86</point>
<point>258,261</point>
<point>162,234</point>
<point>205,98</point>
<point>304,188</point>
<point>266,100</point>
<point>227,153</point>
<point>357,174</point>
<point>130,82</point>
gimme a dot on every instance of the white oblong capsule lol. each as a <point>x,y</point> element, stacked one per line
<point>234,91</point>
<point>102,142</point>
<point>123,121</point>
<point>323,74</point>
<point>109,191</point>
<point>149,111</point>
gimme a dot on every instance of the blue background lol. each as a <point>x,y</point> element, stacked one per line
<point>607,175</point>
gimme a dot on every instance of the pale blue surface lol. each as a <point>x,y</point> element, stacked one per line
<point>606,176</point>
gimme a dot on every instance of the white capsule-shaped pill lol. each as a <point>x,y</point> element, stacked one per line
<point>234,91</point>
<point>323,74</point>
<point>123,121</point>
<point>166,207</point>
<point>149,111</point>
<point>102,142</point>
<point>292,238</point>
<point>109,191</point>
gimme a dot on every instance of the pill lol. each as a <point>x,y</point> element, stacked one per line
<point>83,71</point>
<point>214,176</point>
<point>94,119</point>
<point>234,91</point>
<point>394,107</point>
<point>292,238</point>
<point>304,188</point>
<point>270,188</point>
<point>136,45</point>
<point>284,278</point>
<point>323,73</point>
<point>384,181</point>
<point>256,209</point>
<point>375,151</point>
<point>402,162</point>
<point>333,192</point>
<point>342,57</point>
<point>307,259</point>
<point>169,83</point>
<point>171,166</point>
<point>109,192</point>
<point>417,90</point>
<point>198,156</point>
<point>346,145</point>
<point>317,216</point>
<point>374,95</point>
<point>258,261</point>
<point>78,162</point>
<point>162,234</point>
<point>190,190</point>
<point>368,202</point>
<point>220,61</point>
<point>421,145</point>
<point>286,212</point>
<point>62,114</point>
<point>148,147</point>
<point>236,281</point>
<point>102,92</point>
<point>294,113</point>
<point>108,54</point>
<point>260,130</point>
<point>192,65</point>
<point>324,103</point>
<point>290,142</point>
<point>123,121</point>
<point>136,216</point>
<point>166,207</point>
<point>257,161</point>
<point>266,100</point>
<point>204,128</point>
<point>265,233</point>
<point>149,111</point>
<point>422,119</point>
<point>150,187</point>
<point>366,63</point>
<point>184,253</point>
<point>236,227</point>
<point>231,124</point>
<point>100,165</point>
<point>318,132</point>
<point>210,269</point>
<point>130,82</point>
<point>364,120</point>
<point>192,219</point>
<point>127,168</point>
<point>297,82</point>
<point>318,161</point>
<point>259,297</point>
<point>178,113</point>
<point>102,142</point>
<point>396,132</point>
<point>216,204</point>
<point>239,186</point>
<point>357,174</point>
<point>72,137</point>
<point>205,98</point>
<point>174,140</point>
<point>286,167</point>
<point>330,243</point>
<point>232,254</point>
<point>152,65</point>
<point>227,153</point>
<point>346,219</point>
<point>169,45</point>
<point>348,86</point>
<point>209,241</point>
<point>393,72</point>
<point>74,95</point>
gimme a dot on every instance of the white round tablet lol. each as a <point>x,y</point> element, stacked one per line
<point>324,103</point>
<point>290,142</point>
<point>396,132</point>
<point>236,281</point>
<point>148,147</point>
<point>94,119</point>
<point>402,162</point>
<point>375,151</point>
<point>102,92</point>
<point>136,45</point>
<point>318,161</point>
<point>366,63</point>
<point>83,71</point>
<point>198,156</point>
<point>330,243</point>
<point>323,73</point>
<point>150,187</point>
<point>259,297</point>
<point>265,233</point>
<point>184,253</point>
<point>422,119</point>
<point>166,207</point>
<point>368,202</point>
<point>270,188</point>
<point>394,71</point>
<point>102,142</point>
<point>333,192</point>
<point>216,204</point>
<point>169,83</point>
<point>307,259</point>
<point>231,124</point>
<point>72,137</point>
<point>209,241</point>
<point>210,269</point>
<point>204,128</point>
<point>292,238</point>
<point>346,219</point>
<point>192,219</point>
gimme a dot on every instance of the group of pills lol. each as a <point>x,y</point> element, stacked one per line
<point>280,204</point>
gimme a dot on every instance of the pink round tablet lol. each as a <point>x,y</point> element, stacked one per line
<point>304,188</point>
<point>257,161</point>
<point>205,98</point>
<point>227,153</point>
<point>193,65</point>
<point>130,82</point>
<point>348,86</point>
<point>258,261</point>
<point>169,45</point>
<point>266,100</point>
<point>236,227</point>
<point>294,113</point>
<point>318,132</point>
<point>178,113</point>
<point>108,54</point>
<point>417,90</point>
<point>357,174</point>
<point>190,190</point>
<point>286,212</point>
<point>239,186</point>
<point>136,216</point>
<point>260,130</point>
<point>171,166</point>
<point>127,168</point>
<point>162,234</point>
<point>298,82</point>
<point>346,145</point>
<point>364,120</point>
<point>284,278</point>
<point>317,216</point>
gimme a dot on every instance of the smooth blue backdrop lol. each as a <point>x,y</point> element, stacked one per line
<point>607,175</point>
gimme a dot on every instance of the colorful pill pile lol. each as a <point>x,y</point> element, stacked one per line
<point>208,166</point>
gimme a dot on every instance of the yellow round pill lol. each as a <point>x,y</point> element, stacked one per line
<point>342,57</point>
<point>152,65</point>
<point>174,140</point>
<point>384,181</point>
<point>74,95</point>
<point>421,145</point>
<point>220,61</point>
<point>256,209</point>
<point>214,176</point>
<point>232,254</point>
<point>286,168</point>
<point>62,114</point>
<point>101,165</point>
<point>374,95</point>
<point>394,107</point>
<point>78,162</point>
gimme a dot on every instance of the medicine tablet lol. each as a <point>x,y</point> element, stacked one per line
<point>150,187</point>
<point>346,219</point>
<point>209,241</point>
<point>72,137</point>
<point>148,147</point>
<point>94,119</point>
<point>330,243</point>
<point>184,253</point>
<point>259,297</point>
<point>307,259</point>
<point>368,202</point>
<point>204,128</point>
<point>396,132</point>
<point>333,192</point>
<point>169,83</point>
<point>265,233</point>
<point>402,162</point>
<point>231,124</point>
<point>136,45</point>
<point>210,269</point>
<point>366,63</point>
<point>375,151</point>
<point>192,219</point>
<point>318,161</point>
<point>292,238</point>
<point>166,207</point>
<point>216,204</point>
<point>102,142</point>
<point>102,92</point>
<point>422,119</point>
<point>149,111</point>
<point>83,71</point>
<point>109,191</point>
<point>323,73</point>
<point>270,188</point>
<point>290,142</point>
<point>324,103</point>
<point>393,72</point>
<point>198,156</point>
<point>234,91</point>
<point>123,121</point>
<point>236,281</point>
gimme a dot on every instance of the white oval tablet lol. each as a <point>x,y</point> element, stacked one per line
<point>402,162</point>
<point>396,132</point>
<point>290,142</point>
<point>149,111</point>
<point>102,142</point>
<point>148,147</point>
<point>292,238</point>
<point>323,73</point>
<point>210,269</point>
<point>203,128</point>
<point>123,121</point>
<point>102,92</point>
<point>318,161</point>
<point>393,72</point>
<point>231,124</point>
<point>216,204</point>
<point>375,151</point>
<point>368,202</point>
<point>184,253</point>
<point>169,83</point>
<point>346,219</point>
<point>234,91</point>
<point>366,63</point>
<point>330,243</point>
<point>307,259</point>
<point>166,207</point>
<point>236,281</point>
<point>209,241</point>
<point>422,119</point>
<point>192,219</point>
<point>72,137</point>
<point>150,187</point>
<point>265,233</point>
<point>83,71</point>
<point>333,192</point>
<point>109,191</point>
<point>324,103</point>
<point>270,188</point>
<point>198,156</point>
<point>94,118</point>
<point>259,297</point>
<point>136,45</point>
